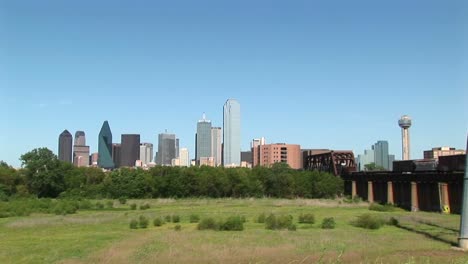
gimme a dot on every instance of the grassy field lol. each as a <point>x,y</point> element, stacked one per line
<point>105,237</point>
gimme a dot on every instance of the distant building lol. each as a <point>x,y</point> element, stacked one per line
<point>206,161</point>
<point>203,139</point>
<point>116,155</point>
<point>378,155</point>
<point>65,146</point>
<point>166,149</point>
<point>184,158</point>
<point>280,152</point>
<point>146,153</point>
<point>435,153</point>
<point>231,133</point>
<point>105,147</point>
<point>80,150</point>
<point>255,150</point>
<point>130,150</point>
<point>367,158</point>
<point>246,159</point>
<point>216,141</point>
<point>93,159</point>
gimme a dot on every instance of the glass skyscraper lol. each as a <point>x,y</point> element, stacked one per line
<point>65,146</point>
<point>203,139</point>
<point>166,149</point>
<point>105,147</point>
<point>129,150</point>
<point>231,133</point>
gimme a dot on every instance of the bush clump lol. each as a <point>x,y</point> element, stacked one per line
<point>175,219</point>
<point>232,223</point>
<point>381,208</point>
<point>143,221</point>
<point>261,218</point>
<point>274,222</point>
<point>368,221</point>
<point>133,206</point>
<point>292,227</point>
<point>392,221</point>
<point>99,206</point>
<point>145,206</point>
<point>177,227</point>
<point>168,218</point>
<point>134,224</point>
<point>194,218</point>
<point>306,218</point>
<point>158,222</point>
<point>328,223</point>
<point>110,204</point>
<point>122,200</point>
<point>207,223</point>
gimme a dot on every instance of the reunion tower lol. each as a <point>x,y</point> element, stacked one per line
<point>405,123</point>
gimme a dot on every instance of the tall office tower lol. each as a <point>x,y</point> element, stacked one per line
<point>256,151</point>
<point>216,138</point>
<point>203,140</point>
<point>177,147</point>
<point>184,157</point>
<point>146,153</point>
<point>381,154</point>
<point>80,150</point>
<point>130,150</point>
<point>65,146</point>
<point>231,133</point>
<point>367,158</point>
<point>166,149</point>
<point>405,124</point>
<point>116,154</point>
<point>105,147</point>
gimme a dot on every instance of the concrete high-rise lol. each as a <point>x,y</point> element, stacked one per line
<point>116,154</point>
<point>381,154</point>
<point>146,153</point>
<point>130,150</point>
<point>255,150</point>
<point>285,153</point>
<point>405,124</point>
<point>216,141</point>
<point>184,158</point>
<point>435,153</point>
<point>105,147</point>
<point>203,139</point>
<point>65,146</point>
<point>166,149</point>
<point>231,133</point>
<point>80,150</point>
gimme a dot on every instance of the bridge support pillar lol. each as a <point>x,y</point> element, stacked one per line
<point>390,199</point>
<point>370,192</point>
<point>414,197</point>
<point>444,197</point>
<point>353,189</point>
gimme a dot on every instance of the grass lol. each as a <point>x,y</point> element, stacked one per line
<point>104,236</point>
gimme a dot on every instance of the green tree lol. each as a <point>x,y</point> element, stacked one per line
<point>44,172</point>
<point>372,167</point>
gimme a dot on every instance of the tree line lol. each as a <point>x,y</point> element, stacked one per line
<point>43,175</point>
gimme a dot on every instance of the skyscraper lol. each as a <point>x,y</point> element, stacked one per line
<point>80,150</point>
<point>146,153</point>
<point>184,157</point>
<point>203,140</point>
<point>105,147</point>
<point>130,150</point>
<point>65,146</point>
<point>381,154</point>
<point>166,149</point>
<point>231,133</point>
<point>116,154</point>
<point>216,138</point>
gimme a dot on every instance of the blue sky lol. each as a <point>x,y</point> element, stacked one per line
<point>322,74</point>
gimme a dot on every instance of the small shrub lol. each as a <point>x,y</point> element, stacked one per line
<point>328,223</point>
<point>207,223</point>
<point>278,222</point>
<point>243,219</point>
<point>306,218</point>
<point>292,227</point>
<point>134,224</point>
<point>122,200</point>
<point>194,218</point>
<point>177,227</point>
<point>392,221</point>
<point>99,206</point>
<point>168,218</point>
<point>232,223</point>
<point>143,221</point>
<point>110,204</point>
<point>261,218</point>
<point>158,222</point>
<point>381,208</point>
<point>368,221</point>
<point>133,206</point>
<point>85,204</point>
<point>175,219</point>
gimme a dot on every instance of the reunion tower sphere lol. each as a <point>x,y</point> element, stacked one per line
<point>404,122</point>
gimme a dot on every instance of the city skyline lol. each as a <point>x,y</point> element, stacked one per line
<point>310,72</point>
